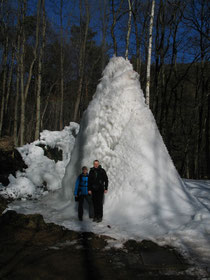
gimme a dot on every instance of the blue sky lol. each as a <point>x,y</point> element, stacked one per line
<point>71,15</point>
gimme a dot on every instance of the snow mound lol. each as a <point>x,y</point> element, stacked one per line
<point>41,170</point>
<point>20,187</point>
<point>119,130</point>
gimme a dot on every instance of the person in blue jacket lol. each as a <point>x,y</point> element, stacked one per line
<point>81,193</point>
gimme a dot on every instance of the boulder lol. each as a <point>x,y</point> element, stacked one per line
<point>52,153</point>
<point>10,159</point>
<point>3,204</point>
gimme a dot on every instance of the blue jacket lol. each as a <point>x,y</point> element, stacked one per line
<point>81,185</point>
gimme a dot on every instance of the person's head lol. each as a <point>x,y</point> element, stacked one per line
<point>84,170</point>
<point>96,163</point>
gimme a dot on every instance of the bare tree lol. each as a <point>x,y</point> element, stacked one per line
<point>115,15</point>
<point>17,95</point>
<point>4,63</point>
<point>47,102</point>
<point>61,65</point>
<point>4,29</point>
<point>22,55</point>
<point>9,79</point>
<point>15,129</point>
<point>25,89</point>
<point>104,21</point>
<point>39,79</point>
<point>129,29</point>
<point>140,18</point>
<point>196,18</point>
<point>82,57</point>
<point>149,53</point>
<point>207,135</point>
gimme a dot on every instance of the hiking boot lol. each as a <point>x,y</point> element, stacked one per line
<point>95,219</point>
<point>99,220</point>
<point>80,218</point>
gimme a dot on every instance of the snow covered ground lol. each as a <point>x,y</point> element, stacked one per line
<point>146,199</point>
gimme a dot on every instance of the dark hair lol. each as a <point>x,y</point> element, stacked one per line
<point>96,160</point>
<point>84,168</point>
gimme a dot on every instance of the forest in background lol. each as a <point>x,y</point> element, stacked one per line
<point>53,54</point>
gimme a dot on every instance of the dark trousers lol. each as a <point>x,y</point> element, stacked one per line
<point>88,198</point>
<point>98,197</point>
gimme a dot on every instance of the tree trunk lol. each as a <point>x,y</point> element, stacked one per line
<point>201,95</point>
<point>61,65</point>
<point>207,136</point>
<point>82,62</point>
<point>137,39</point>
<point>104,30</point>
<point>149,53</point>
<point>46,104</point>
<point>15,136</point>
<point>162,52</point>
<point>9,79</point>
<point>112,30</point>
<point>156,101</point>
<point>115,15</point>
<point>39,80</point>
<point>22,55</point>
<point>5,56</point>
<point>129,29</point>
<point>25,90</point>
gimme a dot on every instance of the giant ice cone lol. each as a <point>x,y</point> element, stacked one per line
<point>120,131</point>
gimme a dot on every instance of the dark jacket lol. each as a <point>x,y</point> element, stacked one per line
<point>97,176</point>
<point>81,186</point>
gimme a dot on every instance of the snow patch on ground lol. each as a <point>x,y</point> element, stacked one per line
<point>113,243</point>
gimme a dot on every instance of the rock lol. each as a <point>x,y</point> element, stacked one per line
<point>7,144</point>
<point>3,204</point>
<point>10,160</point>
<point>52,153</point>
<point>22,227</point>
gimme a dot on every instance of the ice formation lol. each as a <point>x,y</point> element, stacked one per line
<point>40,169</point>
<point>120,131</point>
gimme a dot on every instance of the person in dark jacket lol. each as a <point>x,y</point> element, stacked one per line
<point>97,186</point>
<point>81,193</point>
